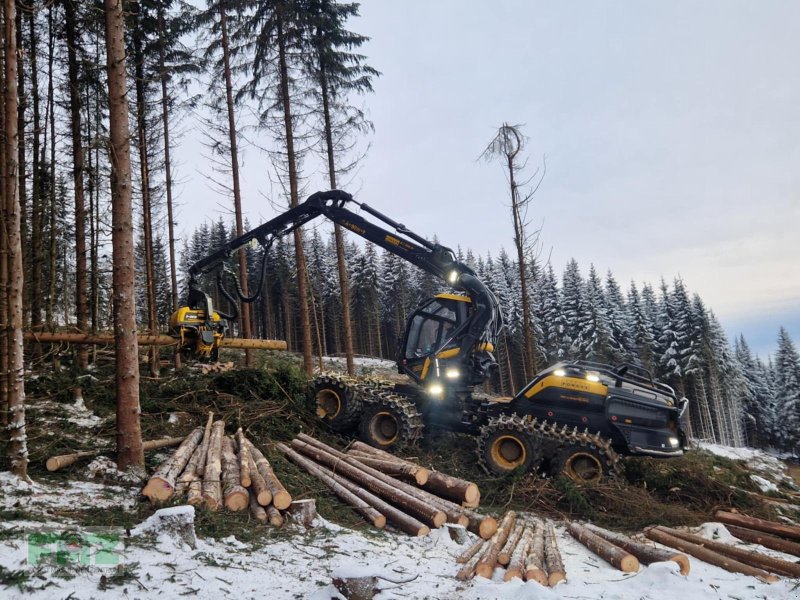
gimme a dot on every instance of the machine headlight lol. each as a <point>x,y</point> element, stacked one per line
<point>436,389</point>
<point>560,373</point>
<point>452,277</point>
<point>452,373</point>
<point>593,377</point>
<point>674,442</point>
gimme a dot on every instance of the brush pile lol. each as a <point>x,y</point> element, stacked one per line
<point>386,489</point>
<point>216,470</point>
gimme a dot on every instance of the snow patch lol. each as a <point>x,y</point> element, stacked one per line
<point>766,486</point>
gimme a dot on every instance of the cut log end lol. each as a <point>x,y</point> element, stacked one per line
<point>555,578</point>
<point>282,500</point>
<point>423,531</point>
<point>683,563</point>
<point>439,519</point>
<point>472,494</point>
<point>421,476</point>
<point>536,575</point>
<point>236,501</point>
<point>487,528</point>
<point>629,564</point>
<point>511,573</point>
<point>379,522</point>
<point>484,570</point>
<point>264,498</point>
<point>158,489</point>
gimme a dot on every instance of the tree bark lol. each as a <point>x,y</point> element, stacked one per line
<point>244,458</point>
<point>709,556</point>
<point>161,485</point>
<point>173,273</point>
<point>467,555</point>
<point>300,258</point>
<point>405,471</point>
<point>258,483</point>
<point>81,305</point>
<point>511,543</point>
<point>552,558</point>
<point>212,486</point>
<point>779,529</point>
<point>235,496</point>
<point>614,555</point>
<point>764,539</point>
<point>256,510</point>
<point>374,482</point>
<point>237,194</point>
<point>129,433</point>
<point>516,564</point>
<point>144,173</point>
<point>534,561</point>
<point>280,497</point>
<point>486,564</point>
<point>15,382</point>
<point>645,553</point>
<point>55,463</point>
<point>197,464</point>
<point>748,557</point>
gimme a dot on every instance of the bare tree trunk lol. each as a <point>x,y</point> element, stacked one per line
<point>147,213</point>
<point>4,232</point>
<point>51,246</point>
<point>300,257</point>
<point>173,274</point>
<point>17,443</point>
<point>81,311</point>
<point>36,186</point>
<point>22,99</point>
<point>341,264</point>
<point>129,432</point>
<point>237,193</point>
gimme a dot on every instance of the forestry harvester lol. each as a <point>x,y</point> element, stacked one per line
<point>579,417</point>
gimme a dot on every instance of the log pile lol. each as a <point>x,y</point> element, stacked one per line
<point>216,470</point>
<point>385,489</point>
<point>526,547</point>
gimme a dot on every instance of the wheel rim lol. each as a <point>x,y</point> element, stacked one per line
<point>584,467</point>
<point>384,428</point>
<point>329,405</point>
<point>508,452</point>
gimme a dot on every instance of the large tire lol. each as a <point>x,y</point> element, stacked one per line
<point>507,444</point>
<point>583,463</point>
<point>390,421</point>
<point>336,403</point>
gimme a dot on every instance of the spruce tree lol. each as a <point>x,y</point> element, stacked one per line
<point>787,390</point>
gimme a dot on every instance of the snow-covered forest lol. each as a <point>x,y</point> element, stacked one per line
<point>737,398</point>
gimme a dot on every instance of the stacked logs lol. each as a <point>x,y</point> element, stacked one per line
<point>385,489</point>
<point>526,547</point>
<point>770,534</point>
<point>216,470</point>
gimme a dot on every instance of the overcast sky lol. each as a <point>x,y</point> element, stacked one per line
<point>671,131</point>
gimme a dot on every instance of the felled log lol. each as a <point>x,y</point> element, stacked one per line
<point>748,557</point>
<point>408,472</point>
<point>516,564</point>
<point>709,556</point>
<point>552,558</point>
<point>440,484</point>
<point>486,565</point>
<point>534,561</point>
<point>236,498</point>
<point>452,511</point>
<point>375,481</point>
<point>161,485</point>
<point>280,497</point>
<point>244,458</point>
<point>614,555</point>
<point>275,517</point>
<point>511,543</point>
<point>764,539</point>
<point>303,511</point>
<point>645,553</point>
<point>256,510</point>
<point>364,502</point>
<point>212,486</point>
<point>468,570</point>
<point>465,556</point>
<point>258,484</point>
<point>54,463</point>
<point>194,469</point>
<point>779,529</point>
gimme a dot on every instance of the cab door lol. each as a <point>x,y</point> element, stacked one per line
<point>429,331</point>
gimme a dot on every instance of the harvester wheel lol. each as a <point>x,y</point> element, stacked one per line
<point>581,463</point>
<point>508,443</point>
<point>336,403</point>
<point>390,421</point>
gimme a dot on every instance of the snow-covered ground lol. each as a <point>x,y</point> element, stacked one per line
<point>769,469</point>
<point>302,564</point>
